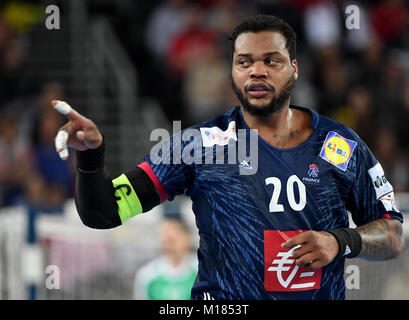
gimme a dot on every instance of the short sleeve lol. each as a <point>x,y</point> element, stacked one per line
<point>165,166</point>
<point>371,196</point>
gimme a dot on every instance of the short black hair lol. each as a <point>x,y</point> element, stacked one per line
<point>263,22</point>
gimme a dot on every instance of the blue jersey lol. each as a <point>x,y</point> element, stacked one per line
<point>246,207</point>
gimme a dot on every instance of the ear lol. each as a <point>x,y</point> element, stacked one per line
<point>295,68</point>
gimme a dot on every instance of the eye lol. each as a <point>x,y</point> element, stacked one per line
<point>244,63</point>
<point>271,62</point>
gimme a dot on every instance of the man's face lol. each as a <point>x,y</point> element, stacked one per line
<point>174,239</point>
<point>263,75</point>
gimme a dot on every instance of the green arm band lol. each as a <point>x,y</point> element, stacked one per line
<point>126,198</point>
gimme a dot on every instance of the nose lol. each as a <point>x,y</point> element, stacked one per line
<point>258,70</point>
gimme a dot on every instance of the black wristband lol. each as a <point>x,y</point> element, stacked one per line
<point>349,242</point>
<point>92,159</point>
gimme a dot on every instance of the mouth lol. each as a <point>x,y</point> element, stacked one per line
<point>259,90</point>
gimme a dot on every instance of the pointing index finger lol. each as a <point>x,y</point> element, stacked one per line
<point>65,109</point>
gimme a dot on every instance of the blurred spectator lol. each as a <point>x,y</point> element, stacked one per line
<point>188,45</point>
<point>4,32</point>
<point>50,91</point>
<point>330,76</point>
<point>390,20</point>
<point>223,15</point>
<point>333,90</point>
<point>34,107</point>
<point>15,161</point>
<point>171,275</point>
<point>358,39</point>
<point>403,119</point>
<point>207,86</point>
<point>168,19</point>
<point>394,162</point>
<point>359,114</point>
<point>31,172</point>
<point>368,67</point>
<point>302,4</point>
<point>323,24</point>
<point>185,47</point>
<point>164,23</point>
<point>54,177</point>
<point>387,95</point>
<point>11,69</point>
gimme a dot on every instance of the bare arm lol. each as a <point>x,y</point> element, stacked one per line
<point>382,239</point>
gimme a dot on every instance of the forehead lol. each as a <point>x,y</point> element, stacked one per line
<point>260,42</point>
<point>171,226</point>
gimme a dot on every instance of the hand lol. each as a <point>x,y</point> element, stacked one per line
<point>315,249</point>
<point>79,132</point>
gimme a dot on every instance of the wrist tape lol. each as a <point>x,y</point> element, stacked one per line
<point>349,242</point>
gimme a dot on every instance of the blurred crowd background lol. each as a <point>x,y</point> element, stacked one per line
<point>181,54</point>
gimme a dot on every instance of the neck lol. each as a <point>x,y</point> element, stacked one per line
<point>279,122</point>
<point>176,259</point>
<point>283,129</point>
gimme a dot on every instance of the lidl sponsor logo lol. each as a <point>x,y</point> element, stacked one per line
<point>337,150</point>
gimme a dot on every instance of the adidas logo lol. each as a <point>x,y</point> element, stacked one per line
<point>244,164</point>
<point>347,251</point>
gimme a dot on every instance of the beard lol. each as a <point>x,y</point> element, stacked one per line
<point>276,103</point>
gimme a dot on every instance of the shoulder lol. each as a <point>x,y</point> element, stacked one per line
<point>327,128</point>
<point>341,142</point>
<point>217,131</point>
<point>327,125</point>
<point>324,125</point>
<point>338,144</point>
<point>200,131</point>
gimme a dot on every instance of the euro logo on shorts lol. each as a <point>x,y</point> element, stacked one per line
<point>337,150</point>
<point>280,271</point>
